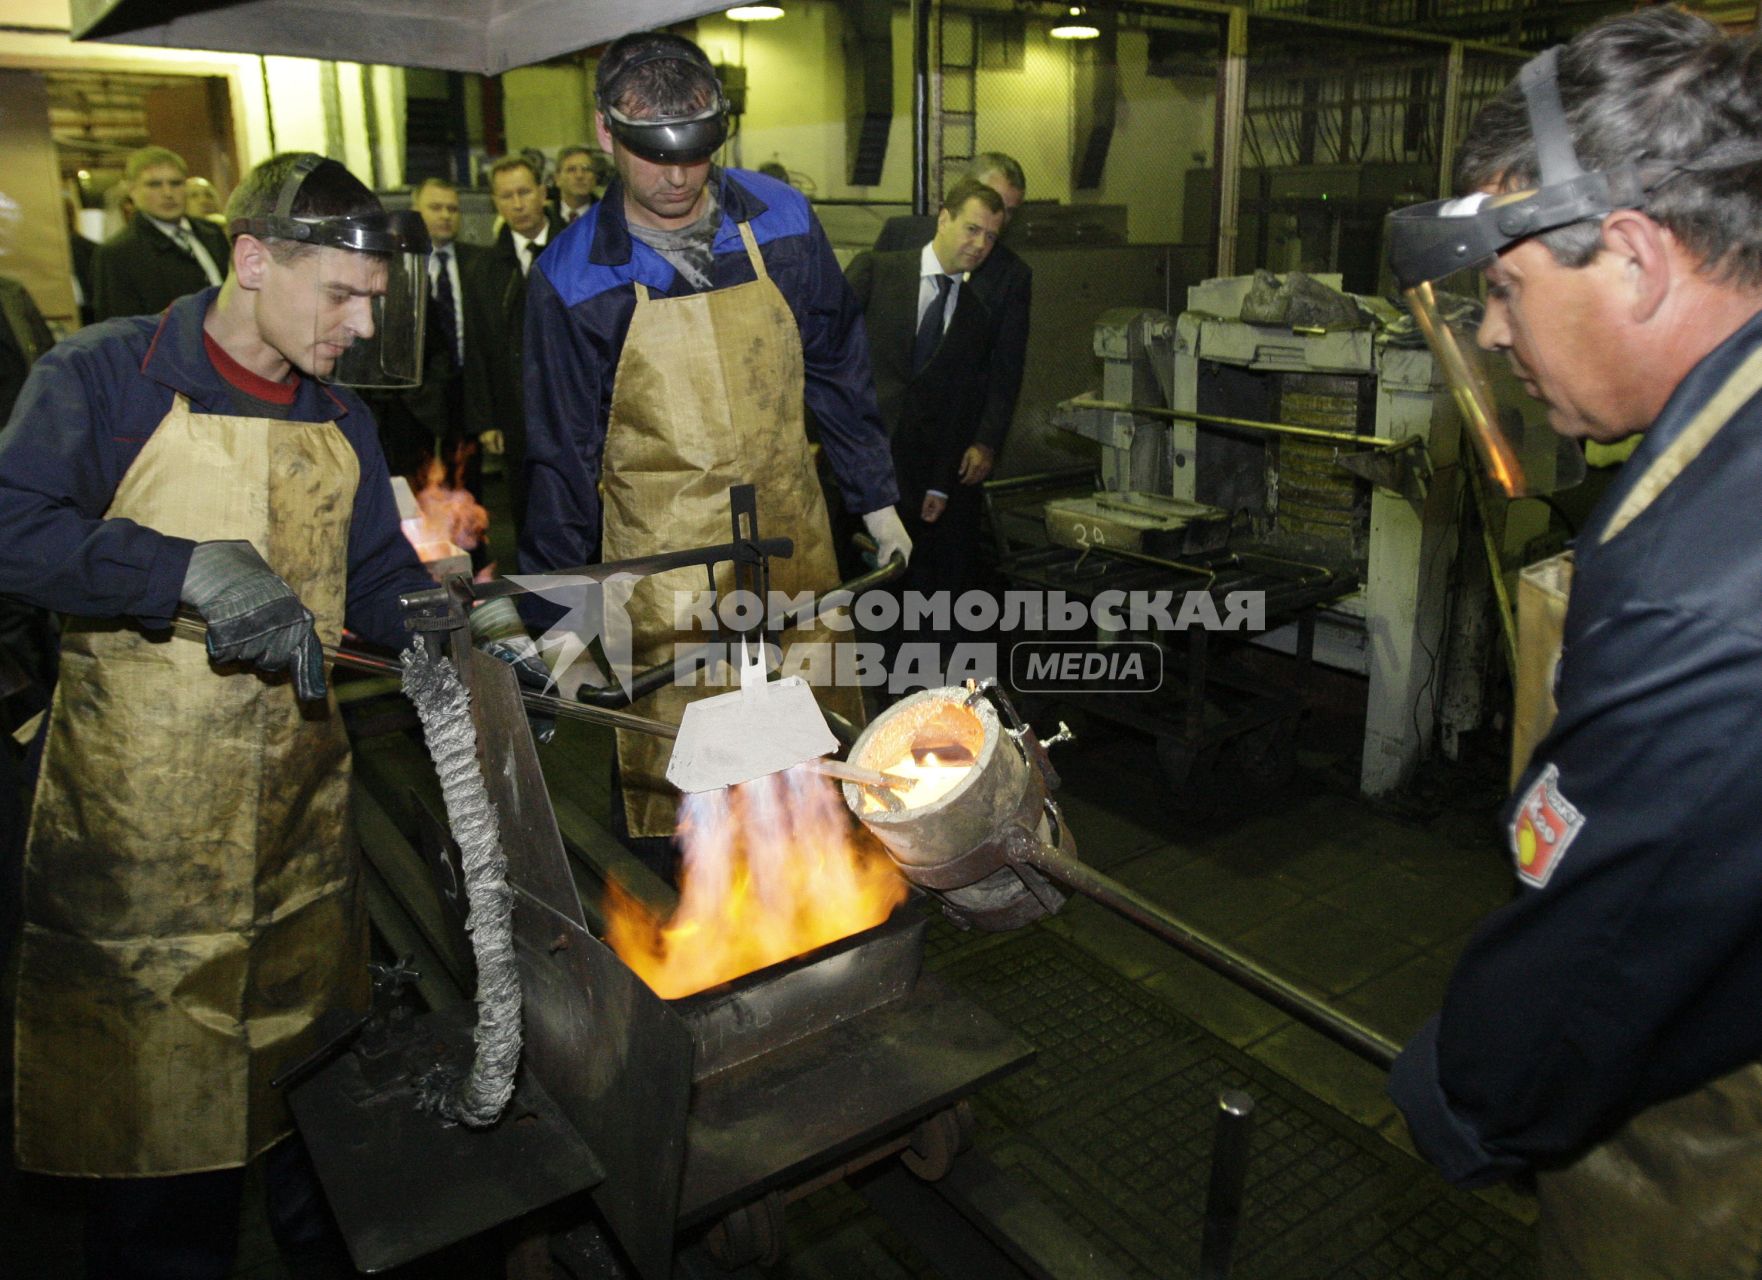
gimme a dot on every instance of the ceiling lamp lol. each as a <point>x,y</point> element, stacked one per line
<point>1075,27</point>
<point>754,13</point>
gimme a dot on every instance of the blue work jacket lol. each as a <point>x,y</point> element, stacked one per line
<point>1629,968</point>
<point>86,410</point>
<point>580,297</point>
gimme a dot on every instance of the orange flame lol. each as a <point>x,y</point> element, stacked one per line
<point>773,868</point>
<point>449,512</point>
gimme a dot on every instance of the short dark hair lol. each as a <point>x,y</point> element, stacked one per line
<point>1652,87</point>
<point>508,163</point>
<point>575,149</point>
<point>145,158</point>
<point>655,73</point>
<point>955,199</point>
<point>329,191</point>
<point>446,184</point>
<point>1007,167</point>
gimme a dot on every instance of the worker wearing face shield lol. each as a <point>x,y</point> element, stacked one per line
<point>675,333</point>
<point>1600,1031</point>
<point>190,898</point>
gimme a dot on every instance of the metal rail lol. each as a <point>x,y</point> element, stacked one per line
<point>1217,956</point>
<point>1241,424</point>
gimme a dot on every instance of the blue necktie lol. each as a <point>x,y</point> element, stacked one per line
<point>930,327</point>
<point>445,317</point>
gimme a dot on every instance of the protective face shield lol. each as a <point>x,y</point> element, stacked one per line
<point>685,139</point>
<point>372,297</point>
<point>1438,251</point>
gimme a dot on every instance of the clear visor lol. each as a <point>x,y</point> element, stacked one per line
<point>1522,454</point>
<point>368,325</point>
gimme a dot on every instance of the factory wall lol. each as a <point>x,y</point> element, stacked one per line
<point>794,115</point>
<point>350,111</point>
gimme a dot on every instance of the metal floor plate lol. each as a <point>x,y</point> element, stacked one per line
<point>1111,1127</point>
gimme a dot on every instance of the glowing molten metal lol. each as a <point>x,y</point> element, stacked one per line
<point>932,777</point>
<point>773,868</point>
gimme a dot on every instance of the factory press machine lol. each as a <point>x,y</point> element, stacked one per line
<point>1314,462</point>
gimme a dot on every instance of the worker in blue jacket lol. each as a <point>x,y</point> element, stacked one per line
<point>675,333</point>
<point>1603,1031</point>
<point>191,903</point>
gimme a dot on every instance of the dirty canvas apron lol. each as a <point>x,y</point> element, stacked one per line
<point>708,394</point>
<point>190,898</point>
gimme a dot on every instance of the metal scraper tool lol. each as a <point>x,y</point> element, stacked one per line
<point>762,727</point>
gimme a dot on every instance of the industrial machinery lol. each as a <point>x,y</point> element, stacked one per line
<point>1305,454</point>
<point>687,1119</point>
<point>692,1122</point>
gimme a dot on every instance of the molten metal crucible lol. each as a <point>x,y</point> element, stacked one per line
<point>988,841</point>
<point>976,784</point>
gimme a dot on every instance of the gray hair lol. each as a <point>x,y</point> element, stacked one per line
<point>1653,87</point>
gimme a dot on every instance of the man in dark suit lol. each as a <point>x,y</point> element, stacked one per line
<point>495,322</point>
<point>1005,282</point>
<point>162,254</point>
<point>933,340</point>
<point>581,173</point>
<point>428,421</point>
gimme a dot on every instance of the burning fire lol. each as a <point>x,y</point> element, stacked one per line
<point>449,513</point>
<point>773,868</point>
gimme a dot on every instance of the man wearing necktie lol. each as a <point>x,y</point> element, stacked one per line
<point>932,341</point>
<point>162,254</point>
<point>580,172</point>
<point>429,421</point>
<point>495,328</point>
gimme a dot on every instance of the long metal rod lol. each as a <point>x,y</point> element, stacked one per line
<point>662,673</point>
<point>550,704</point>
<point>1217,956</point>
<point>639,567</point>
<point>1495,564</point>
<point>1244,424</point>
<point>920,16</point>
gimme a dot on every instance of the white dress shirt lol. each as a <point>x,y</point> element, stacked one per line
<point>929,267</point>
<point>180,234</point>
<point>451,248</point>
<point>537,242</point>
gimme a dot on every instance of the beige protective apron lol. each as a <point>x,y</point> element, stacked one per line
<point>1676,1192</point>
<point>708,394</point>
<point>190,895</point>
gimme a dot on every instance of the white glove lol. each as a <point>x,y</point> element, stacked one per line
<point>891,539</point>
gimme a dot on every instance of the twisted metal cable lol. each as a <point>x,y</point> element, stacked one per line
<point>444,707</point>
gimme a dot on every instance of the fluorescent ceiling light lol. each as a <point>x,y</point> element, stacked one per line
<point>1075,27</point>
<point>754,13</point>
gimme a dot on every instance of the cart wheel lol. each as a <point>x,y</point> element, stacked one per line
<point>937,1141</point>
<point>752,1233</point>
<point>1191,776</point>
<point>1266,758</point>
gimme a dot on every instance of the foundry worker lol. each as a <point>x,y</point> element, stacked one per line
<point>191,899</point>
<point>675,334</point>
<point>1602,1030</point>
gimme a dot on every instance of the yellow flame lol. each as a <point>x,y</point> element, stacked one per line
<point>773,868</point>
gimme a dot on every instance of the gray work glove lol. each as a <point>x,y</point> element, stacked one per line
<point>497,630</point>
<point>253,616</point>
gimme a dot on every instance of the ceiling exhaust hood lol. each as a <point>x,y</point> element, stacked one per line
<point>485,36</point>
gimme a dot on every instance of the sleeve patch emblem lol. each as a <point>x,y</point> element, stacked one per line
<point>1545,825</point>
